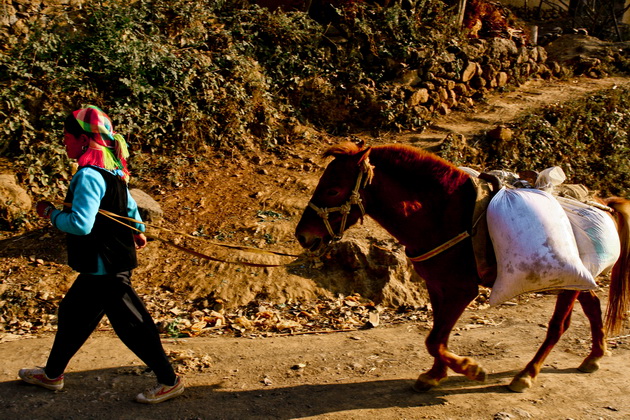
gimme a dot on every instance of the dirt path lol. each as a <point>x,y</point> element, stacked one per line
<point>356,375</point>
<point>506,107</point>
<point>352,375</point>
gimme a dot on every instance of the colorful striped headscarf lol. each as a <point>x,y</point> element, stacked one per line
<point>107,149</point>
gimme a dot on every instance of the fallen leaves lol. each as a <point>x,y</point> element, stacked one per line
<point>186,361</point>
<point>265,318</point>
<point>28,311</point>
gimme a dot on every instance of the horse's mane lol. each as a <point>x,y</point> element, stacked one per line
<point>414,164</point>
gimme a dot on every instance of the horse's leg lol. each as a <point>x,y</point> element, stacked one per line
<point>593,311</point>
<point>444,319</point>
<point>558,324</point>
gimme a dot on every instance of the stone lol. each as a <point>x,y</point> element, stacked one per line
<point>555,68</point>
<point>150,210</point>
<point>443,109</point>
<point>461,89</point>
<point>420,96</point>
<point>501,133</point>
<point>542,54</point>
<point>409,78</point>
<point>452,99</point>
<point>478,82</point>
<point>443,94</point>
<point>377,270</point>
<point>15,202</point>
<point>469,71</point>
<point>502,78</point>
<point>489,71</point>
<point>502,48</point>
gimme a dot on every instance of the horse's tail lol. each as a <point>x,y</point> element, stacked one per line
<point>619,293</point>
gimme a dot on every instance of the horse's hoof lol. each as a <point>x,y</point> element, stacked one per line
<point>425,383</point>
<point>520,384</point>
<point>421,387</point>
<point>481,375</point>
<point>589,365</point>
<point>472,370</point>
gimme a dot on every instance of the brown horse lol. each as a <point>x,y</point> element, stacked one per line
<point>427,204</point>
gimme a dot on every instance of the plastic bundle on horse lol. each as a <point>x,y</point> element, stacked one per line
<point>595,234</point>
<point>534,245</point>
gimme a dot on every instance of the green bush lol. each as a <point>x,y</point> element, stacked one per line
<point>589,139</point>
<point>181,76</point>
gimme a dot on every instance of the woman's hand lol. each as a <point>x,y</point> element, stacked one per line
<point>44,209</point>
<point>140,240</point>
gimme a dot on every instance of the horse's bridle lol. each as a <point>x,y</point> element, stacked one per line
<point>364,178</point>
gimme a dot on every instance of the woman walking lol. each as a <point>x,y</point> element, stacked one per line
<point>103,251</point>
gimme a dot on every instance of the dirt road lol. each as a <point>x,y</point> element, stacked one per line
<point>351,375</point>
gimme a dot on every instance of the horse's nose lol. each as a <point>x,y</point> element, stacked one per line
<point>307,241</point>
<point>302,240</point>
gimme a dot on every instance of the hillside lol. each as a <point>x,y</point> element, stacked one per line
<point>236,187</point>
<point>264,374</point>
<point>239,202</point>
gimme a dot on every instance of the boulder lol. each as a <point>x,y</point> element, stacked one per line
<point>377,269</point>
<point>150,210</point>
<point>584,53</point>
<point>14,200</point>
<point>502,78</point>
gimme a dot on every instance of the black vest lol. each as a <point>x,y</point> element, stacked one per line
<point>109,239</point>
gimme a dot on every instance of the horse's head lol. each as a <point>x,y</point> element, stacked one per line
<point>336,203</point>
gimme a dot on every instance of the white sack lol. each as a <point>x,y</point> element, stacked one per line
<point>534,245</point>
<point>595,233</point>
<point>550,178</point>
<point>469,171</point>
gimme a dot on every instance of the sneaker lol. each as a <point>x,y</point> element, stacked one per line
<point>38,377</point>
<point>161,393</point>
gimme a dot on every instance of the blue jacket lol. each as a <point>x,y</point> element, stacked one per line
<point>88,188</point>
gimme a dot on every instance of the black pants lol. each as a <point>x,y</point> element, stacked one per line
<point>83,307</point>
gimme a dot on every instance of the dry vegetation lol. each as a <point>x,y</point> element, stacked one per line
<point>229,104</point>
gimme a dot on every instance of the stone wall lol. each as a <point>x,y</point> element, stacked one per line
<point>464,75</point>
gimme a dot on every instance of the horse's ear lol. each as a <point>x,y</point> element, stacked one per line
<point>364,154</point>
<point>346,148</point>
<point>366,166</point>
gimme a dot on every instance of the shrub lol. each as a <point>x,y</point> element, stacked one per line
<point>180,76</point>
<point>588,138</point>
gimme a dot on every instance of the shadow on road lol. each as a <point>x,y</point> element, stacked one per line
<point>107,394</point>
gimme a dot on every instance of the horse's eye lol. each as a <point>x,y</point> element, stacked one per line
<point>332,193</point>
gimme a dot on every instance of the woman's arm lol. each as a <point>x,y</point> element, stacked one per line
<point>88,188</point>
